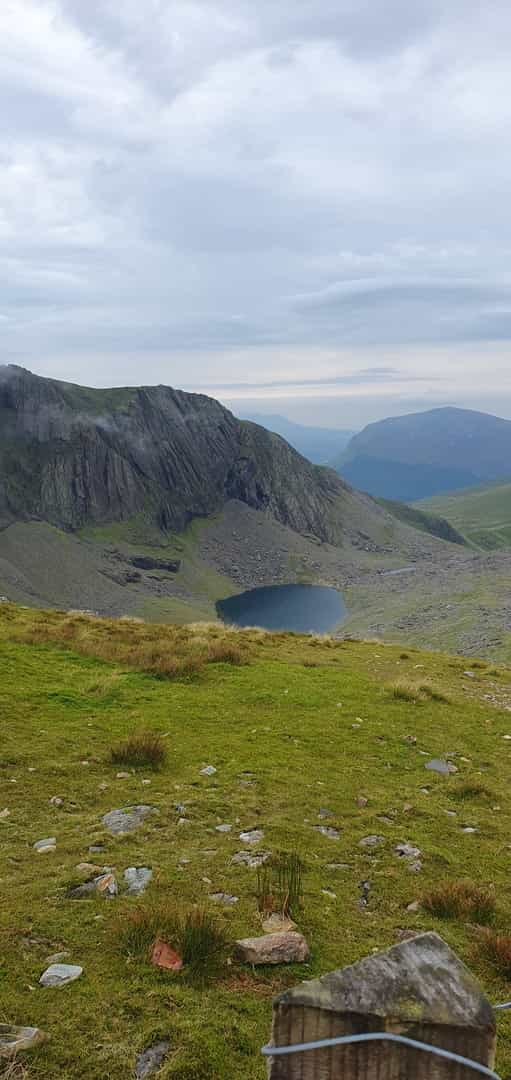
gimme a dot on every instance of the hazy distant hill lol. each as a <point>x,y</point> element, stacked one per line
<point>318,444</point>
<point>429,453</point>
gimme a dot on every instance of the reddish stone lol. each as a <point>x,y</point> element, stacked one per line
<point>163,956</point>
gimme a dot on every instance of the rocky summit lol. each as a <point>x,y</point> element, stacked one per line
<point>73,456</point>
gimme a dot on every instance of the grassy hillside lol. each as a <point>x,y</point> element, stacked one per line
<point>293,726</point>
<point>482,514</point>
<point>426,522</point>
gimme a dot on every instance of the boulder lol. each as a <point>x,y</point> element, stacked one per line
<point>286,947</point>
<point>147,562</point>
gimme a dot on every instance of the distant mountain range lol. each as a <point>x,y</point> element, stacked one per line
<point>424,454</point>
<point>318,444</point>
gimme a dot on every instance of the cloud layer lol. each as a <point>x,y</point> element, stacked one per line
<point>216,192</point>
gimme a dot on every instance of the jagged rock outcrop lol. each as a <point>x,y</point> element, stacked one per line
<point>73,456</point>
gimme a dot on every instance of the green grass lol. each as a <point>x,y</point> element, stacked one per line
<point>430,523</point>
<point>287,740</point>
<point>482,514</point>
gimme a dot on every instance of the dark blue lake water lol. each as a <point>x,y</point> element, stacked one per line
<point>302,608</point>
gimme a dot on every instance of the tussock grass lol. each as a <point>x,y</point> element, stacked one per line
<point>497,948</point>
<point>415,693</point>
<point>196,934</point>
<point>144,749</point>
<point>461,900</point>
<point>166,651</point>
<point>472,791</point>
<point>280,884</point>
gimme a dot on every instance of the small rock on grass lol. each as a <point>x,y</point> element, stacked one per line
<point>137,879</point>
<point>162,955</point>
<point>44,846</point>
<point>252,859</point>
<point>278,924</point>
<point>223,898</point>
<point>407,851</point>
<point>149,1061</point>
<point>371,841</point>
<point>57,957</point>
<point>253,836</point>
<point>125,820</point>
<point>208,770</point>
<point>223,828</point>
<point>328,831</point>
<point>283,948</point>
<point>4,814</point>
<point>444,768</point>
<point>13,1039</point>
<point>58,975</point>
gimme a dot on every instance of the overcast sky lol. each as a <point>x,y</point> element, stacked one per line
<point>299,206</point>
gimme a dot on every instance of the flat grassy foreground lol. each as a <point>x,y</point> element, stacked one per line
<point>293,725</point>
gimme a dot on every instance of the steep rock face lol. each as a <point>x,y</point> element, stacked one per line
<point>73,456</point>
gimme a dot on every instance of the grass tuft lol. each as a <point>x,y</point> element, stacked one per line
<point>143,750</point>
<point>195,934</point>
<point>470,791</point>
<point>461,900</point>
<point>280,884</point>
<point>497,948</point>
<point>416,693</point>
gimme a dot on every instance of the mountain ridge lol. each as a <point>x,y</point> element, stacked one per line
<point>419,455</point>
<point>74,457</point>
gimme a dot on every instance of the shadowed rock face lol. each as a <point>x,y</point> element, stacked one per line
<point>73,456</point>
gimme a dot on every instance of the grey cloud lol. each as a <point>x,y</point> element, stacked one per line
<point>210,176</point>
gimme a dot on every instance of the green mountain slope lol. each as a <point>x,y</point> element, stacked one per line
<point>304,725</point>
<point>482,514</point>
<point>423,520</point>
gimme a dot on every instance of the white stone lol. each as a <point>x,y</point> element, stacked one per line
<point>58,975</point>
<point>43,846</point>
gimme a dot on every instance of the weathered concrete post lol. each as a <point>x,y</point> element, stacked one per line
<point>418,988</point>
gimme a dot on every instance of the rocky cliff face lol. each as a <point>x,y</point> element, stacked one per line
<point>72,456</point>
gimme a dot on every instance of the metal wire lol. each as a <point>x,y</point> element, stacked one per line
<point>374,1036</point>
